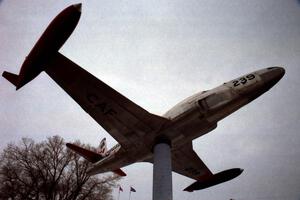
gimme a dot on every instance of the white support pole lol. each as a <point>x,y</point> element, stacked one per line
<point>162,172</point>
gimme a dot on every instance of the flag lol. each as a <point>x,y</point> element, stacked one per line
<point>132,189</point>
<point>120,189</point>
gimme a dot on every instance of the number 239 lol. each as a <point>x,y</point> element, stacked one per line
<point>243,80</point>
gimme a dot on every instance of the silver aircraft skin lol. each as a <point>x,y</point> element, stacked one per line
<point>198,115</point>
<point>136,130</point>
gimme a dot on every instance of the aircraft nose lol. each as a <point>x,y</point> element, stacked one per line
<point>269,77</point>
<point>272,76</point>
<point>78,7</point>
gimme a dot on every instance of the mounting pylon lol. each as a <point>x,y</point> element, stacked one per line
<point>162,172</point>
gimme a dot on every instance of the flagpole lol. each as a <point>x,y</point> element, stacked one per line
<point>119,194</point>
<point>120,190</point>
<point>129,194</point>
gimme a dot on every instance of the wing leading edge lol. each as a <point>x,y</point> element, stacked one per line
<point>125,121</point>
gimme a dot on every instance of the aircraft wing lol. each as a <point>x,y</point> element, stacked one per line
<point>125,121</point>
<point>186,162</point>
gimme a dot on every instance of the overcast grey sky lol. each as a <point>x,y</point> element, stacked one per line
<point>157,53</point>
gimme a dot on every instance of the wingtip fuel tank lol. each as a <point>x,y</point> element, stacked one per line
<point>78,6</point>
<point>58,31</point>
<point>214,179</point>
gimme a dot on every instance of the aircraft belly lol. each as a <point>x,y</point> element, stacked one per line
<point>187,127</point>
<point>120,159</point>
<point>112,164</point>
<point>199,120</point>
<point>107,168</point>
<point>184,137</point>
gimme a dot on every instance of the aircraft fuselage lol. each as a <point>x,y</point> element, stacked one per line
<point>137,130</point>
<point>200,113</point>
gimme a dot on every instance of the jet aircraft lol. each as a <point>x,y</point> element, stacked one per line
<point>135,129</point>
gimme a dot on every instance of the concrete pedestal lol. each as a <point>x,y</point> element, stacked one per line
<point>162,172</point>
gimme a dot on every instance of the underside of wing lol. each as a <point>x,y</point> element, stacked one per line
<point>186,162</point>
<point>125,121</point>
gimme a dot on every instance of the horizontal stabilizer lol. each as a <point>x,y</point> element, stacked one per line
<point>13,78</point>
<point>214,179</point>
<point>87,154</point>
<point>91,156</point>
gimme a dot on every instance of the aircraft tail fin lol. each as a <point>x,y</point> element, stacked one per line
<point>102,149</point>
<point>13,78</point>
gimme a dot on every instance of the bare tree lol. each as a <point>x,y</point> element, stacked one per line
<point>48,170</point>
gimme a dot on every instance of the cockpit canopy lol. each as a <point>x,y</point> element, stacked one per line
<point>214,100</point>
